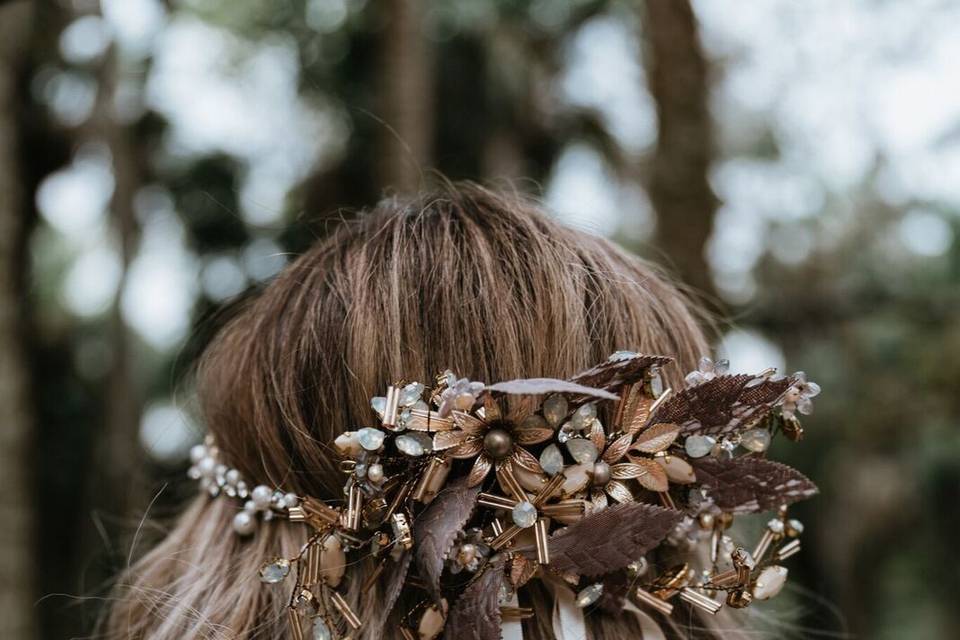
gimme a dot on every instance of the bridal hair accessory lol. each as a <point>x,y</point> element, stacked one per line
<point>465,492</point>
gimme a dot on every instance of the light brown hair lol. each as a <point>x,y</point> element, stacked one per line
<point>463,278</point>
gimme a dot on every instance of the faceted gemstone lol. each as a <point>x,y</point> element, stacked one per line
<point>589,595</point>
<point>552,460</point>
<point>409,446</point>
<point>524,515</point>
<point>274,571</point>
<point>320,629</point>
<point>583,415</point>
<point>769,582</point>
<point>370,439</point>
<point>410,394</point>
<point>698,446</point>
<point>582,450</point>
<point>757,440</point>
<point>379,404</point>
<point>555,409</point>
<point>565,433</point>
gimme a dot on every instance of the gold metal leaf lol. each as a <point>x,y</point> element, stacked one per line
<point>617,448</point>
<point>618,491</point>
<point>481,467</point>
<point>447,439</point>
<point>532,435</point>
<point>526,460</point>
<point>655,479</point>
<point>470,424</point>
<point>597,435</point>
<point>656,438</point>
<point>627,471</point>
<point>468,449</point>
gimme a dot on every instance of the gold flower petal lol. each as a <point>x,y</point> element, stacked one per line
<point>597,435</point>
<point>532,435</point>
<point>468,449</point>
<point>491,410</point>
<point>471,424</point>
<point>481,467</point>
<point>446,439</point>
<point>656,438</point>
<point>526,460</point>
<point>655,479</point>
<point>617,448</point>
<point>598,498</point>
<point>618,491</point>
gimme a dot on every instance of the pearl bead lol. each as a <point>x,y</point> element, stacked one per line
<point>207,466</point>
<point>197,453</point>
<point>290,500</point>
<point>232,477</point>
<point>244,523</point>
<point>261,496</point>
<point>601,473</point>
<point>497,444</point>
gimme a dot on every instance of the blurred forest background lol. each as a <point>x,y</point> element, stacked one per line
<point>799,162</point>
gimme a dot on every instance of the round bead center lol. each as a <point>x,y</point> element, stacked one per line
<point>497,444</point>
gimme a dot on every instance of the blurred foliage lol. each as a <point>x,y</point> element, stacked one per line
<point>874,323</point>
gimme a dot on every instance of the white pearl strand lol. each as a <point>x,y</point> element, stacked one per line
<point>216,478</point>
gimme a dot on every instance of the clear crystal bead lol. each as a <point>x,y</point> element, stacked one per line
<point>274,571</point>
<point>370,439</point>
<point>410,394</point>
<point>565,433</point>
<point>551,460</point>
<point>320,629</point>
<point>796,526</point>
<point>379,404</point>
<point>698,446</point>
<point>757,440</point>
<point>524,515</point>
<point>409,446</point>
<point>582,450</point>
<point>656,384</point>
<point>555,409</point>
<point>769,582</point>
<point>775,526</point>
<point>589,595</point>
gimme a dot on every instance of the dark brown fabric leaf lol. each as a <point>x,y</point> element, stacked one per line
<point>721,405</point>
<point>748,484</point>
<point>614,374</point>
<point>540,386</point>
<point>476,613</point>
<point>611,539</point>
<point>394,577</point>
<point>435,530</point>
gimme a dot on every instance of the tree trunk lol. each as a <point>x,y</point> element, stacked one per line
<point>17,499</point>
<point>678,184</point>
<point>406,97</point>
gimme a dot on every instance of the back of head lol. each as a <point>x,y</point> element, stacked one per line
<point>481,283</point>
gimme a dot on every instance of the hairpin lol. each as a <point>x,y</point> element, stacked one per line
<point>464,492</point>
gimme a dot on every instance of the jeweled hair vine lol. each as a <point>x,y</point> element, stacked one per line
<point>464,492</point>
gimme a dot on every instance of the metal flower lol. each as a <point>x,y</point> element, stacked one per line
<point>495,440</point>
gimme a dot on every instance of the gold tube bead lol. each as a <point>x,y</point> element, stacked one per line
<point>568,510</point>
<point>296,630</point>
<point>548,490</point>
<point>667,500</point>
<point>497,527</point>
<point>345,610</point>
<point>763,545</point>
<point>641,596</point>
<point>426,478</point>
<point>390,407</point>
<point>510,483</point>
<point>505,537</point>
<point>495,501</point>
<point>351,517</point>
<point>790,549</point>
<point>543,543</point>
<point>700,601</point>
<point>312,573</point>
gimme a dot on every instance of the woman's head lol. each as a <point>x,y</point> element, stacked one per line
<point>481,283</point>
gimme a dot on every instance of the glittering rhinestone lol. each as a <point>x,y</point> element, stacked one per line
<point>582,450</point>
<point>379,404</point>
<point>524,515</point>
<point>552,460</point>
<point>370,439</point>
<point>410,394</point>
<point>565,433</point>
<point>320,629</point>
<point>757,440</point>
<point>409,446</point>
<point>589,595</point>
<point>698,446</point>
<point>274,571</point>
<point>555,409</point>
